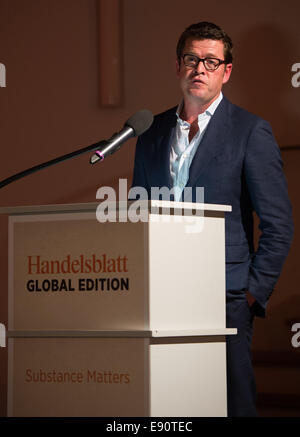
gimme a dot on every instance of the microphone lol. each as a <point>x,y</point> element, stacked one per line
<point>136,125</point>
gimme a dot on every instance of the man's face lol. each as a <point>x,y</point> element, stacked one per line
<point>198,85</point>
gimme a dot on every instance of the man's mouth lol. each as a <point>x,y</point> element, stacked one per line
<point>198,81</point>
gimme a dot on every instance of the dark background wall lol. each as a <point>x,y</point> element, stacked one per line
<point>50,107</point>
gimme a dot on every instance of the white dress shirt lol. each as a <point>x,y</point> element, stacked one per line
<point>183,151</point>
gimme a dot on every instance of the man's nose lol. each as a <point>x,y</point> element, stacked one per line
<point>200,68</point>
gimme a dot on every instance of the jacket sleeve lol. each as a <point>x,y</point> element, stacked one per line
<point>268,191</point>
<point>139,177</point>
<point>140,181</point>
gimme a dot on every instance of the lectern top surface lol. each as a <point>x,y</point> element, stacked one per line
<point>92,206</point>
<point>121,333</point>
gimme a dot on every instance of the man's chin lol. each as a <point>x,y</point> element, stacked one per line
<point>199,96</point>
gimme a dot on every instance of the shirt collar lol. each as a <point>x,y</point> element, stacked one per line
<point>209,111</point>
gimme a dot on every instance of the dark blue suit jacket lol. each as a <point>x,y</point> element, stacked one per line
<point>238,163</point>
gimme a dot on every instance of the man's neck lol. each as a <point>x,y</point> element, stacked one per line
<point>191,108</point>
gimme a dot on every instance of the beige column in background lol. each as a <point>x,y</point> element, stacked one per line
<point>110,52</point>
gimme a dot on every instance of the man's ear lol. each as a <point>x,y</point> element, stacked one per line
<point>227,72</point>
<point>177,66</point>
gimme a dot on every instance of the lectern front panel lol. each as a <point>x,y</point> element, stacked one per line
<point>77,377</point>
<point>68,271</point>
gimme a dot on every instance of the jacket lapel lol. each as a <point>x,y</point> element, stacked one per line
<point>161,176</point>
<point>212,142</point>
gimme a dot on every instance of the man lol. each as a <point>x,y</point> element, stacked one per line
<point>209,142</point>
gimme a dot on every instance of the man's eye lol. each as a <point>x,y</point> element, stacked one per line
<point>191,59</point>
<point>211,62</point>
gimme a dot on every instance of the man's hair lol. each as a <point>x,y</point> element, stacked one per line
<point>206,30</point>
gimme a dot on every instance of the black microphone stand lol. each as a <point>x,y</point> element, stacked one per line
<point>52,162</point>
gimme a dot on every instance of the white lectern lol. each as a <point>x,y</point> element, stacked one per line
<point>119,318</point>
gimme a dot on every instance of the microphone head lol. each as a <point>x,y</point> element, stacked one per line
<point>140,121</point>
